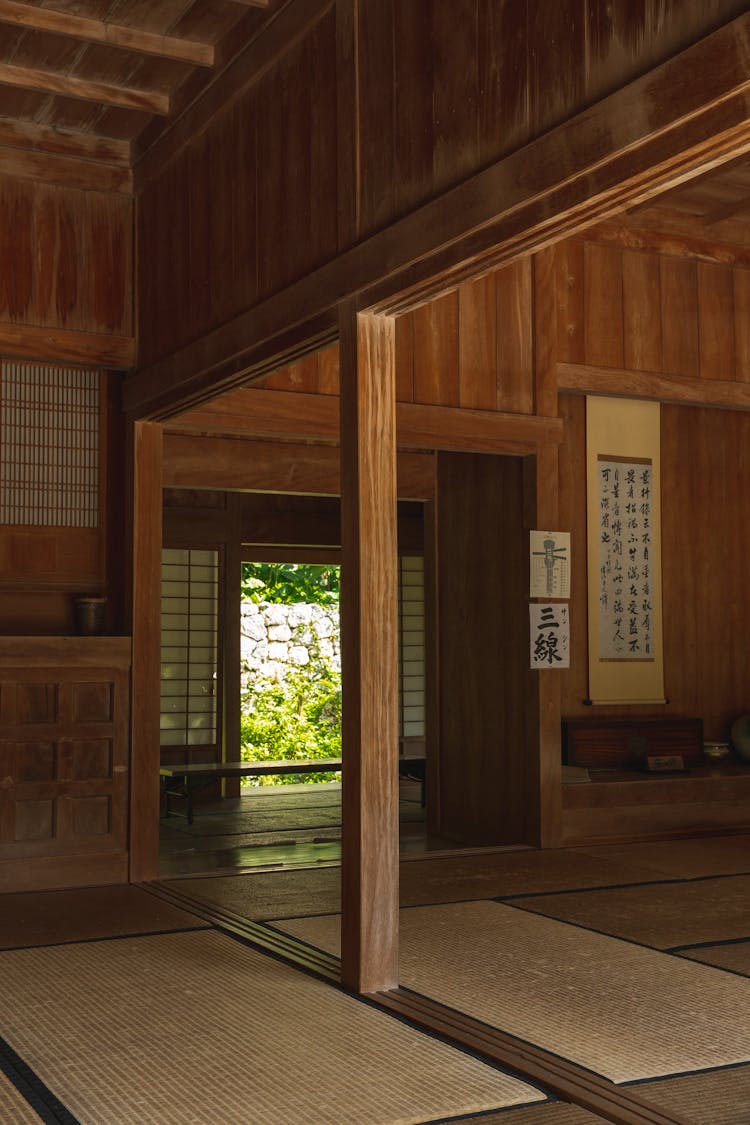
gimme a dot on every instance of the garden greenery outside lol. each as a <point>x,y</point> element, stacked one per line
<point>292,710</point>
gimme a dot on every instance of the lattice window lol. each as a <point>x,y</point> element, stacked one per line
<point>412,685</point>
<point>49,445</point>
<point>189,603</point>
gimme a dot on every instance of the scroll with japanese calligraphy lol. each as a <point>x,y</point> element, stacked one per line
<point>624,562</point>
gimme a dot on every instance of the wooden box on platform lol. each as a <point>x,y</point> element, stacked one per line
<point>64,773</point>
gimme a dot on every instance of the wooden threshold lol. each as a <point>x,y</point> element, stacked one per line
<point>566,1080</point>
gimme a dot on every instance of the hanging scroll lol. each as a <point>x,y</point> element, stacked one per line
<point>626,586</point>
<point>624,561</point>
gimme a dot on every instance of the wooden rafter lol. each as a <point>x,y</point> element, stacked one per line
<point>126,97</point>
<point>100,31</point>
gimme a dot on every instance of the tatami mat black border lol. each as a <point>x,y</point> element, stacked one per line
<point>104,937</point>
<point>707,944</point>
<point>41,1099</point>
<point>485,1113</point>
<point>689,1074</point>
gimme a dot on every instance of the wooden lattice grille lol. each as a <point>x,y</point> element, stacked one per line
<point>412,685</point>
<point>49,445</point>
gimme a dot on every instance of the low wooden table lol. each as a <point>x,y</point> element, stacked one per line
<point>198,775</point>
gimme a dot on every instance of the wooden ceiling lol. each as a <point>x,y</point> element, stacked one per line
<point>100,78</point>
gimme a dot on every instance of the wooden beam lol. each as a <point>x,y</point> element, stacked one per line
<point>578,378</point>
<point>49,82</point>
<point>28,135</point>
<point>683,238</point>
<point>146,631</point>
<point>101,31</point>
<point>265,466</point>
<point>58,345</point>
<point>369,654</point>
<point>89,175</point>
<point>610,156</point>
<point>255,412</point>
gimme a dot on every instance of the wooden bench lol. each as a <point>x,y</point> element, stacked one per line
<point>198,775</point>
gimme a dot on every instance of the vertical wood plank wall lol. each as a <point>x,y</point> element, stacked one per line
<point>472,348</point>
<point>483,645</point>
<point>635,310</point>
<point>66,258</point>
<point>372,110</point>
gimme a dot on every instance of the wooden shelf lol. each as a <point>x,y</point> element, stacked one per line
<point>33,651</point>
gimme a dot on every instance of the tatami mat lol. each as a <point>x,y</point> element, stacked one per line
<point>734,955</point>
<point>195,1028</point>
<point>262,895</point>
<point>721,1097</point>
<point>49,917</point>
<point>614,1007</point>
<point>663,915</point>
<point>14,1109</point>
<point>424,881</point>
<point>682,859</point>
<point>498,875</point>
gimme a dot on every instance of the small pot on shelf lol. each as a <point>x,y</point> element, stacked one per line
<point>89,614</point>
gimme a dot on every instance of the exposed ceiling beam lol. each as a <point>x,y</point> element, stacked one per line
<point>49,82</point>
<point>28,136</point>
<point>294,415</point>
<point>99,31</point>
<point>727,210</point>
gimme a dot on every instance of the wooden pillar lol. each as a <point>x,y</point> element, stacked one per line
<point>542,491</point>
<point>146,633</point>
<point>369,648</point>
<point>229,632</point>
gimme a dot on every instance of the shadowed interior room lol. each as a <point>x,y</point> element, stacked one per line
<point>453,295</point>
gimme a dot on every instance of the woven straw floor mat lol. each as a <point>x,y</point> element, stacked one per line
<point>51,917</point>
<point>195,1028</point>
<point>682,859</point>
<point>618,1009</point>
<point>719,1098</point>
<point>14,1109</point>
<point>735,956</point>
<point>663,916</point>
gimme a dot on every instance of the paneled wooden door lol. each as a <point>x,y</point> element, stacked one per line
<point>63,776</point>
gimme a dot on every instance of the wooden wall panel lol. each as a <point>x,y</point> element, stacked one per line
<point>66,258</point>
<point>471,348</point>
<point>367,112</point>
<point>705,480</point>
<point>248,205</point>
<point>483,651</point>
<point>630,310</point>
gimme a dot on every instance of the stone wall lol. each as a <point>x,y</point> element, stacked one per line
<point>275,638</point>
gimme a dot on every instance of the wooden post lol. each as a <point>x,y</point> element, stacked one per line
<point>542,490</point>
<point>369,647</point>
<point>146,632</point>
<point>230,633</point>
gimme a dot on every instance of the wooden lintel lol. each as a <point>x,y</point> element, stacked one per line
<point>234,464</point>
<point>608,157</point>
<point>101,31</point>
<point>64,345</point>
<point>575,378</point>
<point>49,82</point>
<point>27,135</point>
<point>677,237</point>
<point>46,167</point>
<point>254,412</point>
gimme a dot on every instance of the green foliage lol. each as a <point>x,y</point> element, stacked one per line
<point>298,717</point>
<point>287,583</point>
